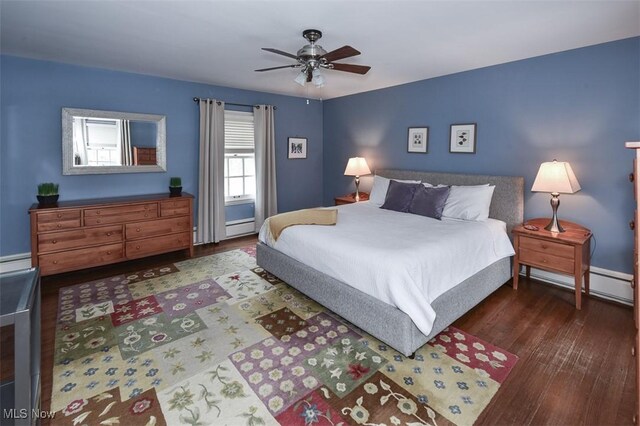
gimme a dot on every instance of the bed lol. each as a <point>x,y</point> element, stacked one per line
<point>383,320</point>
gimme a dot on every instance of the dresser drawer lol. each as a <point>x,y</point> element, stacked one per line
<point>546,260</point>
<point>62,219</point>
<point>80,258</point>
<point>157,227</point>
<point>177,207</point>
<point>120,214</point>
<point>156,245</point>
<point>62,240</point>
<point>551,248</point>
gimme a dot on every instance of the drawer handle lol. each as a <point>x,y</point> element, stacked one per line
<point>108,234</point>
<point>631,177</point>
<point>54,241</point>
<point>633,351</point>
<point>632,224</point>
<point>635,419</point>
<point>59,225</point>
<point>59,215</point>
<point>108,251</point>
<point>98,221</point>
<point>137,229</point>
<point>544,246</point>
<point>544,260</point>
<point>97,211</point>
<point>137,247</point>
<point>146,214</point>
<point>55,262</point>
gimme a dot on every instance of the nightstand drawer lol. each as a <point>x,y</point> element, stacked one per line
<point>548,247</point>
<point>546,260</point>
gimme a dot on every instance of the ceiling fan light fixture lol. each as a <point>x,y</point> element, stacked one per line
<point>301,78</point>
<point>318,79</point>
<point>311,57</point>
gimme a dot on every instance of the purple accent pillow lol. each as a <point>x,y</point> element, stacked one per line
<point>429,201</point>
<point>399,196</point>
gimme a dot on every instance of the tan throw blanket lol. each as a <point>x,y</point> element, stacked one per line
<point>280,222</point>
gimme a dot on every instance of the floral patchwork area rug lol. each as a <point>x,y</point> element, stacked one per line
<point>217,340</point>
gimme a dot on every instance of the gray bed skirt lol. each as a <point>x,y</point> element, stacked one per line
<point>383,321</point>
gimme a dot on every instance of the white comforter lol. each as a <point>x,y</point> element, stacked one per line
<point>402,259</point>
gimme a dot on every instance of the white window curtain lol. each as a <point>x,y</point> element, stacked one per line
<point>211,220</point>
<point>80,142</point>
<point>266,190</point>
<point>125,143</point>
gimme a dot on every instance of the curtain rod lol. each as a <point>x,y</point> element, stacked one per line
<point>231,103</point>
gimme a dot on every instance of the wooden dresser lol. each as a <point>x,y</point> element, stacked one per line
<point>633,177</point>
<point>75,235</point>
<point>144,156</point>
<point>564,253</point>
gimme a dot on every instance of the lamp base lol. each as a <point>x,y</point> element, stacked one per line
<point>357,188</point>
<point>554,225</point>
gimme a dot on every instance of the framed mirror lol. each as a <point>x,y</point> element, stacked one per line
<point>100,142</point>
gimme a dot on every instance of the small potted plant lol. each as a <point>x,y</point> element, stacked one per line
<point>47,193</point>
<point>175,186</point>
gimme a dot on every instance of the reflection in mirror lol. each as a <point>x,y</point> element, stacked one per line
<point>112,142</point>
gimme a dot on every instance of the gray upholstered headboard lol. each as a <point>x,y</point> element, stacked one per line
<point>507,204</point>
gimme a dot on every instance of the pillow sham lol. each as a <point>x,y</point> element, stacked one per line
<point>429,201</point>
<point>469,202</point>
<point>379,190</point>
<point>399,196</point>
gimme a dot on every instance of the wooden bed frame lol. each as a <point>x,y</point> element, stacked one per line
<point>383,321</point>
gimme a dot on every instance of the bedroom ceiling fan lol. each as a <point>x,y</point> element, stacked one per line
<point>312,57</point>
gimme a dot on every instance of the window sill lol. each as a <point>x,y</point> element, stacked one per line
<point>239,201</point>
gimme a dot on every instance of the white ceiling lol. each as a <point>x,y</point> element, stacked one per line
<point>218,42</point>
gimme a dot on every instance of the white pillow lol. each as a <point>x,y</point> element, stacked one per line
<point>469,202</point>
<point>380,187</point>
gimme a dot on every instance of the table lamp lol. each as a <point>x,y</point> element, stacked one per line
<point>555,177</point>
<point>357,166</point>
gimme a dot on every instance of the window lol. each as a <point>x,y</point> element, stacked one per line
<point>98,140</point>
<point>239,157</point>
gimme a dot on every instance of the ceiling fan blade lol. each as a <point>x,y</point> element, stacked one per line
<point>277,68</point>
<point>358,69</point>
<point>280,52</point>
<point>341,53</point>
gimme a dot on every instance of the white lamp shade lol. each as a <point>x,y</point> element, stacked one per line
<point>357,166</point>
<point>556,176</point>
<point>301,78</point>
<point>318,79</point>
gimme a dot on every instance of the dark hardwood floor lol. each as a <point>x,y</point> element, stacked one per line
<point>575,367</point>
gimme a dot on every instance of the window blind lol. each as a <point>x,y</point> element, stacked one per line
<point>238,132</point>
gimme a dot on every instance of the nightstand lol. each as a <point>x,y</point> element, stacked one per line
<point>351,198</point>
<point>566,252</point>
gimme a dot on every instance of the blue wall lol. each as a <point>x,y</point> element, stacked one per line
<point>34,92</point>
<point>578,106</point>
<point>143,134</point>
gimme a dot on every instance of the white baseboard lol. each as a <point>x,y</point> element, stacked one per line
<point>15,262</point>
<point>607,284</point>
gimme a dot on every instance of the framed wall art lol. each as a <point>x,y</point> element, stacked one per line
<point>462,138</point>
<point>297,148</point>
<point>418,139</point>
